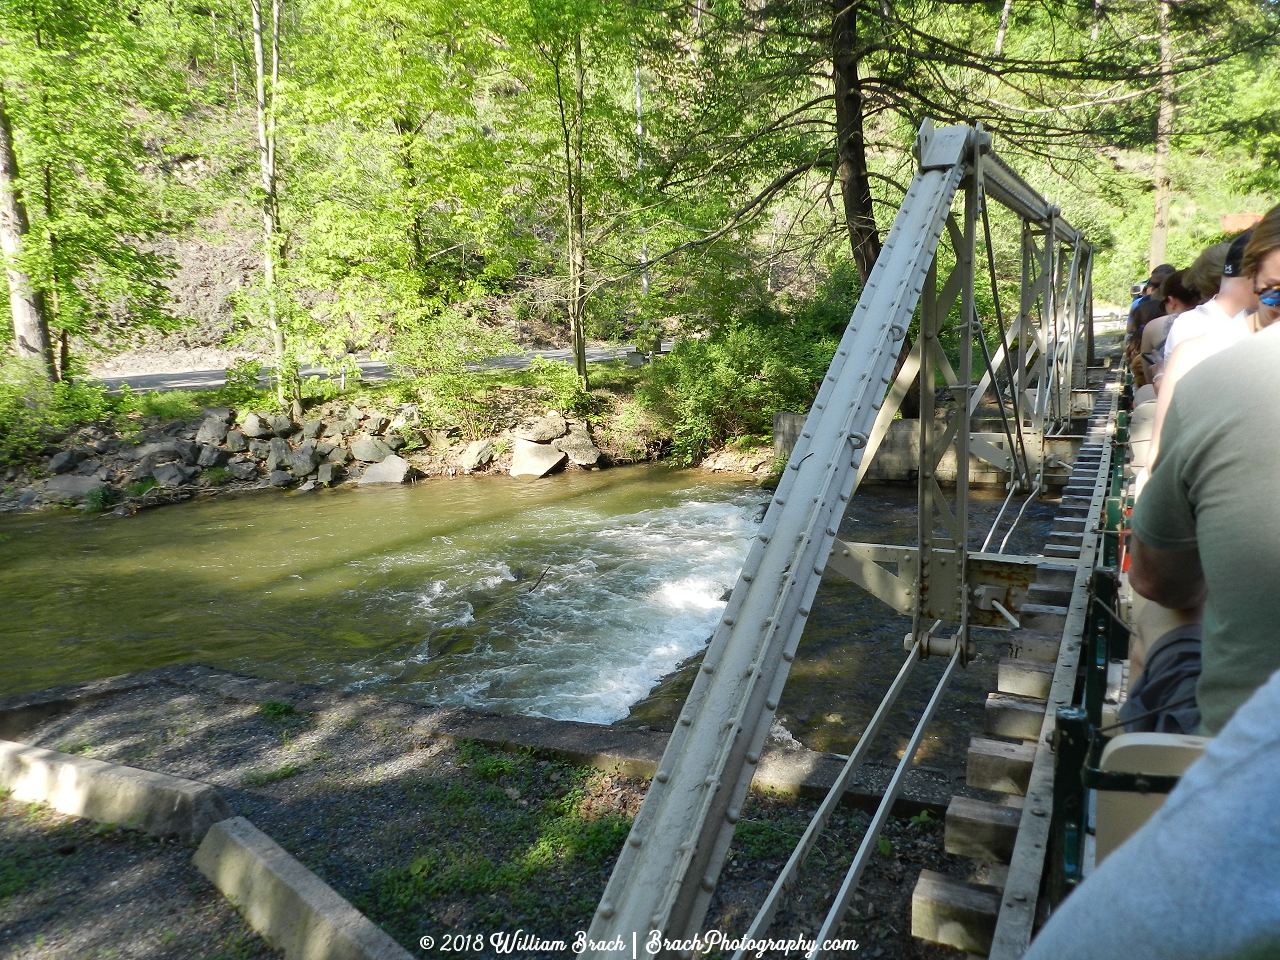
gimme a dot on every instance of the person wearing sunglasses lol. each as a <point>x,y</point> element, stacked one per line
<point>1200,880</point>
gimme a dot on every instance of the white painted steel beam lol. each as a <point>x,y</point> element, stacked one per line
<point>669,866</point>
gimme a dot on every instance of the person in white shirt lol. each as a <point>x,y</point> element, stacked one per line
<point>1224,317</point>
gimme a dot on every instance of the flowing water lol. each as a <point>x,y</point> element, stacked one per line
<point>567,598</point>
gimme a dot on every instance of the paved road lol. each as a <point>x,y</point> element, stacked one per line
<point>371,371</point>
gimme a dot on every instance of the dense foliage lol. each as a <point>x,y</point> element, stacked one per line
<point>430,180</point>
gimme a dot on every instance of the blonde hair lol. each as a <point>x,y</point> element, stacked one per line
<point>1265,240</point>
<point>1205,275</point>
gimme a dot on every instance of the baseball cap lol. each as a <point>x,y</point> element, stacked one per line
<point>1159,273</point>
<point>1236,254</point>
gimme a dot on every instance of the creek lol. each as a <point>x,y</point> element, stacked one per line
<point>568,598</point>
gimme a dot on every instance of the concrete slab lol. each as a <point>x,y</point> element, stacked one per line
<point>293,909</point>
<point>20,712</point>
<point>155,803</point>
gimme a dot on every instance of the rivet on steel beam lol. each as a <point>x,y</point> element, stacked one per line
<point>662,776</point>
<point>779,501</point>
<point>733,814</point>
<point>771,704</point>
<point>804,611</point>
<point>635,840</point>
<point>708,668</point>
<point>788,655</point>
<point>708,884</point>
<point>728,621</point>
<point>753,757</point>
<point>746,577</point>
<point>685,721</point>
<point>606,909</point>
<point>817,570</point>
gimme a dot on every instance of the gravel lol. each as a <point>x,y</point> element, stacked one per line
<point>434,838</point>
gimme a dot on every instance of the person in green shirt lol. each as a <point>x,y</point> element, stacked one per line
<point>1206,528</point>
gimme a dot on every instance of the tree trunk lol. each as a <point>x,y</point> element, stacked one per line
<point>267,168</point>
<point>26,304</point>
<point>1004,26</point>
<point>851,146</point>
<point>577,229</point>
<point>1164,136</point>
<point>851,151</point>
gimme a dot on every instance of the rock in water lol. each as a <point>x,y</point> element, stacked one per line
<point>212,430</point>
<point>541,429</point>
<point>391,470</point>
<point>370,450</point>
<point>305,460</point>
<point>338,455</point>
<point>578,446</point>
<point>211,456</point>
<point>534,459</point>
<point>65,461</point>
<point>236,442</point>
<point>281,455</point>
<point>280,478</point>
<point>70,487</point>
<point>327,473</point>
<point>477,455</point>
<point>256,427</point>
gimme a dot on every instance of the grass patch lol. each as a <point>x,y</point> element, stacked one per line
<point>100,498</point>
<point>217,476</point>
<point>19,873</point>
<point>525,847</point>
<point>276,710</point>
<point>78,748</point>
<point>262,778</point>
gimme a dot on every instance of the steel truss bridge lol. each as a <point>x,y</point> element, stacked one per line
<point>938,253</point>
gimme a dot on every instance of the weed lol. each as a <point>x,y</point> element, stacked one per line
<point>139,487</point>
<point>760,840</point>
<point>923,819</point>
<point>217,476</point>
<point>276,710</point>
<point>79,748</point>
<point>885,845</point>
<point>101,498</point>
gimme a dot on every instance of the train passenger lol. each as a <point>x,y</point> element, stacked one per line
<point>1223,309</point>
<point>1146,311</point>
<point>1200,880</point>
<point>1237,305</point>
<point>1178,298</point>
<point>1206,528</point>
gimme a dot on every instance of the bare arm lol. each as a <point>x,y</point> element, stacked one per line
<point>1171,578</point>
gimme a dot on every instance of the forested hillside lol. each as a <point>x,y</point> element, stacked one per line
<point>440,180</point>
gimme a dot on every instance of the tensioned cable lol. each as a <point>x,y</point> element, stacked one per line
<point>768,909</point>
<point>836,914</point>
<point>1008,363</point>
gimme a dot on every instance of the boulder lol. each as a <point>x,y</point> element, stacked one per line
<point>307,487</point>
<point>410,413</point>
<point>391,470</point>
<point>243,469</point>
<point>174,474</point>
<point>282,426</point>
<point>370,450</point>
<point>218,413</point>
<point>212,430</point>
<point>87,468</point>
<point>343,428</point>
<point>577,445</point>
<point>312,429</point>
<point>305,460</point>
<point>542,429</point>
<point>281,455</point>
<point>211,456</point>
<point>477,454</point>
<point>324,449</point>
<point>70,487</point>
<point>164,451</point>
<point>236,442</point>
<point>65,462</point>
<point>280,478</point>
<point>338,455</point>
<point>394,441</point>
<point>534,459</point>
<point>255,426</point>
<point>259,449</point>
<point>327,473</point>
<point>377,423</point>
<point>106,445</point>
<point>174,429</point>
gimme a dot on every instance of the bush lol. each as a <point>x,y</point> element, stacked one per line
<point>99,499</point>
<point>730,383</point>
<point>561,383</point>
<point>35,412</point>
